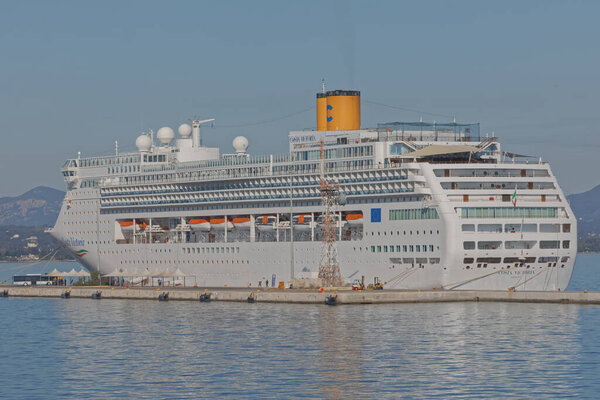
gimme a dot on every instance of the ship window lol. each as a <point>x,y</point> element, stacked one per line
<point>398,249</point>
<point>509,212</point>
<point>372,249</point>
<point>514,228</point>
<point>468,260</point>
<point>489,245</point>
<point>519,244</point>
<point>490,260</point>
<point>566,244</point>
<point>411,248</point>
<point>516,260</point>
<point>404,248</point>
<point>379,249</point>
<point>430,247</point>
<point>549,244</point>
<point>417,213</point>
<point>469,245</point>
<point>490,228</point>
<point>385,249</point>
<point>566,228</point>
<point>549,228</point>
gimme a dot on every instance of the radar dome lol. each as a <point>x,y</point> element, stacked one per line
<point>143,142</point>
<point>184,131</point>
<point>165,135</point>
<point>240,144</point>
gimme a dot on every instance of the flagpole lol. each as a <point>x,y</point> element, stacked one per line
<point>515,207</point>
<point>521,260</point>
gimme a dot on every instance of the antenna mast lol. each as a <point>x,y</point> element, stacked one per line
<point>329,268</point>
<point>196,141</point>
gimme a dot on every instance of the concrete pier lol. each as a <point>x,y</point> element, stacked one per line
<point>305,296</point>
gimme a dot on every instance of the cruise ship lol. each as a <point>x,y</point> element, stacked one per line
<point>425,206</point>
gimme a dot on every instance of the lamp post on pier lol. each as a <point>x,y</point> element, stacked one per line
<point>291,225</point>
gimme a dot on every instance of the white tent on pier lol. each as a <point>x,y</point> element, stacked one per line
<point>72,273</point>
<point>180,274</point>
<point>114,274</point>
<point>83,273</point>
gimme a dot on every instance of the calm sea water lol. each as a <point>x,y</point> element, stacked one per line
<point>78,348</point>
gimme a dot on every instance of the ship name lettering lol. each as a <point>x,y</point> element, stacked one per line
<point>72,242</point>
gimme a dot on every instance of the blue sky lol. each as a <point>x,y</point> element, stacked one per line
<point>76,76</point>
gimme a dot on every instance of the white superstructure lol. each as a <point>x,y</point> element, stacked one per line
<point>428,206</point>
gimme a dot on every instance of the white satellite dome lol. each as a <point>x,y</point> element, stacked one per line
<point>165,135</point>
<point>240,144</point>
<point>143,142</point>
<point>185,131</point>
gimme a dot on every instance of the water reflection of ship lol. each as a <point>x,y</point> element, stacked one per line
<point>342,346</point>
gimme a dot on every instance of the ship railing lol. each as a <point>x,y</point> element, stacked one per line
<point>268,183</point>
<point>223,162</point>
<point>159,201</point>
<point>221,174</point>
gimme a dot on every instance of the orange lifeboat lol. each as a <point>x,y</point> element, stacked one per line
<point>220,224</point>
<point>354,219</point>
<point>199,224</point>
<point>266,222</point>
<point>241,222</point>
<point>128,225</point>
<point>302,222</point>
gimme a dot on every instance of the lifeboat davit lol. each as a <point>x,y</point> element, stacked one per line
<point>241,222</point>
<point>302,222</point>
<point>220,224</point>
<point>266,222</point>
<point>199,224</point>
<point>354,219</point>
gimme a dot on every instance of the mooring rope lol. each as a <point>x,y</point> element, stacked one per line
<point>40,260</point>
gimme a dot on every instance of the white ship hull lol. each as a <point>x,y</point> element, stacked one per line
<point>426,224</point>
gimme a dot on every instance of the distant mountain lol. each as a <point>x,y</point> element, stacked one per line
<point>38,207</point>
<point>586,207</point>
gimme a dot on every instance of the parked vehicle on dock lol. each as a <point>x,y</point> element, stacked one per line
<point>357,285</point>
<point>32,280</point>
